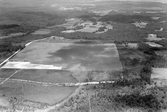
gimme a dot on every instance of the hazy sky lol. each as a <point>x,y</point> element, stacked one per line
<point>29,2</point>
<point>163,1</point>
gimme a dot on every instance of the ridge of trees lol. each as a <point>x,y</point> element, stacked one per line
<point>2,27</point>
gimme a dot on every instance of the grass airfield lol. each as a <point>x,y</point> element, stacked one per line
<point>76,59</point>
<point>71,56</point>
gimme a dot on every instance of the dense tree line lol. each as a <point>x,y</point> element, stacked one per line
<point>145,48</point>
<point>121,18</point>
<point>21,40</point>
<point>127,61</point>
<point>137,100</point>
<point>102,29</point>
<point>8,47</point>
<point>89,17</point>
<point>8,26</point>
<point>146,72</point>
<point>126,82</point>
<point>30,21</point>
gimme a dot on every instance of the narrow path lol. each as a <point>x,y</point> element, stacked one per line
<point>55,84</point>
<point>90,107</point>
<point>9,77</point>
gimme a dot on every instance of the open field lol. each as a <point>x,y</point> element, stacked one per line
<point>41,32</point>
<point>4,102</point>
<point>28,65</point>
<point>50,95</point>
<point>36,93</point>
<point>153,37</point>
<point>4,73</point>
<point>153,44</point>
<point>38,52</point>
<point>72,56</point>
<point>51,76</point>
<point>159,73</point>
<point>161,53</point>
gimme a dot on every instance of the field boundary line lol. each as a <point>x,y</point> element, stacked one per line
<point>90,106</point>
<point>57,84</point>
<point>9,77</point>
<point>34,41</point>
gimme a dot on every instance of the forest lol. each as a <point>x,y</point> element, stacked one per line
<point>7,49</point>
<point>120,18</point>
<point>2,27</point>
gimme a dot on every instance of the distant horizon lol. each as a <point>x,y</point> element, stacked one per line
<point>24,3</point>
<point>161,1</point>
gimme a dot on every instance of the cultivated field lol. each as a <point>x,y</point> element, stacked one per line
<point>49,95</point>
<point>36,93</point>
<point>33,85</point>
<point>78,25</point>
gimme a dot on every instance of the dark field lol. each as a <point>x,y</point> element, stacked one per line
<point>50,76</point>
<point>36,93</point>
<point>4,73</point>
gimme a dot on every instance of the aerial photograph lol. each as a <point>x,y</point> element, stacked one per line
<point>83,55</point>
